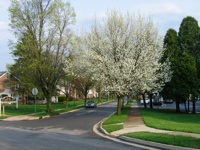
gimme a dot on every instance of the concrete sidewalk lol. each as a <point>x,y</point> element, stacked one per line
<point>20,118</point>
<point>135,123</point>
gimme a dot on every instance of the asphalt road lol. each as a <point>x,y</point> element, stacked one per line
<point>70,131</point>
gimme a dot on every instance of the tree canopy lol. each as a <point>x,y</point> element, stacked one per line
<point>181,49</point>
<point>124,53</point>
<point>43,42</point>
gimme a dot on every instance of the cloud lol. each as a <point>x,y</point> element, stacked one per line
<point>172,8</point>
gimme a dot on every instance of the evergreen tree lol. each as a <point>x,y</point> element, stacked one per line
<point>184,80</point>
<point>189,38</point>
<point>172,51</point>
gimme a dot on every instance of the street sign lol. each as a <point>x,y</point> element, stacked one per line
<point>34,91</point>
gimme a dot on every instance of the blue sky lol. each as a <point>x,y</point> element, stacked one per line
<point>165,14</point>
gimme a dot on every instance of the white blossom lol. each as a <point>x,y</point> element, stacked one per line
<point>124,52</point>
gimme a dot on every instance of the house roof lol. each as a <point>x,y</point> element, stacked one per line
<point>2,73</point>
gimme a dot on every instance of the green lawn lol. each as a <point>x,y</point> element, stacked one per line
<point>115,121</point>
<point>57,108</point>
<point>170,120</point>
<point>178,140</point>
<point>113,127</point>
<point>161,119</point>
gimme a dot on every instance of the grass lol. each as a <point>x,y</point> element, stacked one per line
<point>112,128</point>
<point>23,109</point>
<point>177,140</point>
<point>161,119</point>
<point>115,119</point>
<point>29,109</point>
<point>169,120</point>
<point>40,108</point>
<point>115,122</point>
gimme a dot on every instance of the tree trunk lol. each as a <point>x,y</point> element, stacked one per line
<point>85,95</point>
<point>107,97</point>
<point>145,105</point>
<point>194,107</point>
<point>119,104</point>
<point>177,106</point>
<point>67,100</point>
<point>123,102</point>
<point>188,106</point>
<point>49,107</point>
<point>151,103</point>
<point>23,99</point>
<point>185,107</point>
<point>99,97</point>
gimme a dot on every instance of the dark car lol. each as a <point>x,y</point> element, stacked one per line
<point>91,104</point>
<point>157,103</point>
<point>168,101</point>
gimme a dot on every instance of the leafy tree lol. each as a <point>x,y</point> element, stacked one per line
<point>171,44</point>
<point>189,37</point>
<point>84,83</point>
<point>44,39</point>
<point>66,86</point>
<point>184,80</point>
<point>123,52</point>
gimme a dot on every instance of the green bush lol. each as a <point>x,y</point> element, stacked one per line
<point>61,98</point>
<point>71,98</point>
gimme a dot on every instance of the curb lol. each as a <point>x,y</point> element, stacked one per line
<point>103,130</point>
<point>142,142</point>
<point>153,144</point>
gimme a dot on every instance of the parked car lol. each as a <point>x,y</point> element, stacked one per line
<point>157,103</point>
<point>168,101</point>
<point>91,104</point>
<point>146,100</point>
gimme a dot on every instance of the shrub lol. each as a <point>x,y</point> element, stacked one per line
<point>71,98</point>
<point>61,98</point>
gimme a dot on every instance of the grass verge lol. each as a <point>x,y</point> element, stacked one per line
<point>115,122</point>
<point>39,109</point>
<point>161,119</point>
<point>170,120</point>
<point>177,140</point>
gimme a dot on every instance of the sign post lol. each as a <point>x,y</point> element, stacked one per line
<point>35,92</point>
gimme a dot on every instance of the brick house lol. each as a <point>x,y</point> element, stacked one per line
<point>5,89</point>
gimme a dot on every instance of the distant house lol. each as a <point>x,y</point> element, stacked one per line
<point>76,93</point>
<point>5,89</point>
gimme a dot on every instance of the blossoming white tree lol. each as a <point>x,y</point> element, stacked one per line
<point>124,53</point>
